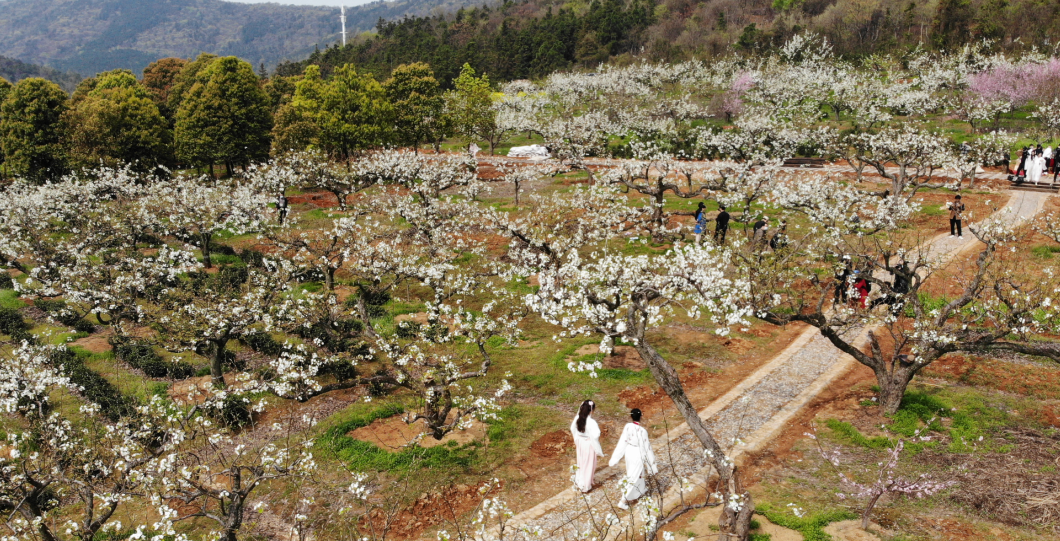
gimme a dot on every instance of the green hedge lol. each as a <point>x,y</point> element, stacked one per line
<point>142,355</point>
<point>94,387</point>
<point>58,310</point>
<point>13,325</point>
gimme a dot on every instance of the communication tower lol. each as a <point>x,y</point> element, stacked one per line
<point>343,19</point>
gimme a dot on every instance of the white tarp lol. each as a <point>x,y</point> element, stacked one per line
<point>532,151</point>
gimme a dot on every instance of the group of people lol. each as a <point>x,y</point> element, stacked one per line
<point>759,233</point>
<point>851,279</point>
<point>1035,162</point>
<point>633,445</point>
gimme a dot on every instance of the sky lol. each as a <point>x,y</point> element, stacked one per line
<point>336,3</point>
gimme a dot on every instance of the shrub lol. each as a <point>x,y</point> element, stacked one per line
<point>223,249</point>
<point>374,300</point>
<point>263,343</point>
<point>5,281</point>
<point>252,258</point>
<point>232,412</point>
<point>337,335</point>
<point>232,277</point>
<point>142,355</point>
<point>94,387</point>
<point>12,324</point>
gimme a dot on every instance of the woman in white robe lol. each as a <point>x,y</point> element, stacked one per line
<point>587,444</point>
<point>1034,169</point>
<point>635,446</point>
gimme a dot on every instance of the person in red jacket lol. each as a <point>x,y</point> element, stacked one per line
<point>862,286</point>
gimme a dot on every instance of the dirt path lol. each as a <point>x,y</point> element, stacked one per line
<point>746,418</point>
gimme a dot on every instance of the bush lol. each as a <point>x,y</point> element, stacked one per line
<point>5,281</point>
<point>232,277</point>
<point>338,335</point>
<point>222,249</point>
<point>252,258</point>
<point>142,355</point>
<point>94,387</point>
<point>233,411</point>
<point>262,342</point>
<point>374,301</point>
<point>12,324</point>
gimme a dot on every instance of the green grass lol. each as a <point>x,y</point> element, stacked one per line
<point>9,299</point>
<point>811,525</point>
<point>366,457</point>
<point>1045,252</point>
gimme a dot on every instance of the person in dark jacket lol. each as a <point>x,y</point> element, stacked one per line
<point>899,288</point>
<point>281,205</point>
<point>721,225</point>
<point>841,281</point>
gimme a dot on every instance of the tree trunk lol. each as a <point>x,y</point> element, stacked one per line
<point>516,194</point>
<point>206,250</point>
<point>892,389</point>
<point>734,524</point>
<point>868,511</point>
<point>329,278</point>
<point>217,356</point>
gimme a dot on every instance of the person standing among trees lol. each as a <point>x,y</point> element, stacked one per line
<point>841,281</point>
<point>899,288</point>
<point>701,221</point>
<point>758,239</point>
<point>956,208</point>
<point>780,239</point>
<point>587,444</point>
<point>861,285</point>
<point>721,225</point>
<point>635,447</point>
<point>281,206</point>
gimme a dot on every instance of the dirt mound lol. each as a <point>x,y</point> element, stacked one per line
<point>553,444</point>
<point>621,356</point>
<point>739,346</point>
<point>436,508</point>
<point>393,433</point>
<point>97,343</point>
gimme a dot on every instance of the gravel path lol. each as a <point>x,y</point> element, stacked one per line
<point>731,419</point>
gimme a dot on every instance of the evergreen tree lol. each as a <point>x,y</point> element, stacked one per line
<point>298,122</point>
<point>31,130</point>
<point>354,114</point>
<point>419,106</point>
<point>5,89</point>
<point>117,122</point>
<point>187,78</point>
<point>225,118</point>
<point>471,107</point>
<point>952,25</point>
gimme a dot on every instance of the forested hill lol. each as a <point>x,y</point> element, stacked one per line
<point>89,36</point>
<point>529,38</point>
<point>15,70</point>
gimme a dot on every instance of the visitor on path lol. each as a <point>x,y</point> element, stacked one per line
<point>1034,166</point>
<point>863,288</point>
<point>761,227</point>
<point>899,288</point>
<point>635,447</point>
<point>281,205</point>
<point>1048,154</point>
<point>842,278</point>
<point>701,221</point>
<point>1021,169</point>
<point>587,444</point>
<point>721,225</point>
<point>956,208</point>
<point>780,239</point>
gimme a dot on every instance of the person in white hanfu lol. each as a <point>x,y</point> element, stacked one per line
<point>1034,169</point>
<point>635,447</point>
<point>587,443</point>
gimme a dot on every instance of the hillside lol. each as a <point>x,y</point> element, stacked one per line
<point>16,70</point>
<point>88,36</point>
<point>531,38</point>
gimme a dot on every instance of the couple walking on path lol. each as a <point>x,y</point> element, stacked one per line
<point>633,445</point>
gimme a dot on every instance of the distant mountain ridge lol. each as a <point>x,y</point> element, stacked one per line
<point>15,70</point>
<point>89,36</point>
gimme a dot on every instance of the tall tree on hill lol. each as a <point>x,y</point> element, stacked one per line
<point>225,118</point>
<point>116,123</point>
<point>186,79</point>
<point>298,122</point>
<point>159,79</point>
<point>5,90</point>
<point>354,114</point>
<point>31,130</point>
<point>952,25</point>
<point>471,106</point>
<point>419,106</point>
